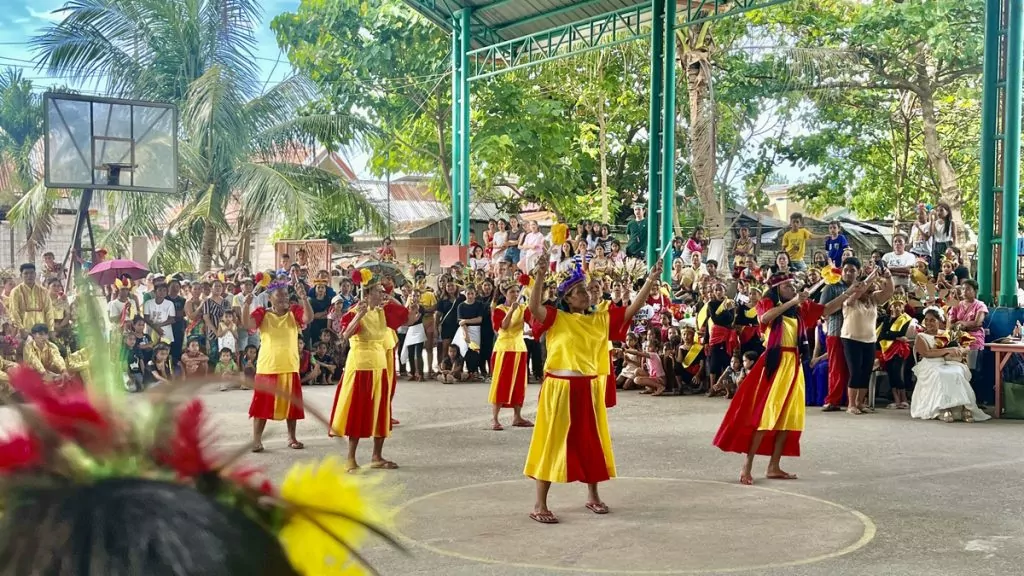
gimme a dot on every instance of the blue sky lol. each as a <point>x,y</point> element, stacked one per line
<point>20,20</point>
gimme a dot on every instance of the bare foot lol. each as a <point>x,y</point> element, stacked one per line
<point>658,391</point>
<point>352,466</point>
<point>746,478</point>
<point>522,423</point>
<point>779,474</point>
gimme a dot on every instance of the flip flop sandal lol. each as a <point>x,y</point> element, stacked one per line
<point>258,448</point>
<point>296,445</point>
<point>525,424</point>
<point>384,465</point>
<point>785,476</point>
<point>597,507</point>
<point>544,517</point>
<point>498,427</point>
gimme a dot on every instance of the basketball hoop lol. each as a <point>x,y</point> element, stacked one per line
<point>107,144</point>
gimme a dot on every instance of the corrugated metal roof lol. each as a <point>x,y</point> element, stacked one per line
<point>414,207</point>
<point>510,19</point>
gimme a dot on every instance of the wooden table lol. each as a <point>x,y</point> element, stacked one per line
<point>1003,351</point>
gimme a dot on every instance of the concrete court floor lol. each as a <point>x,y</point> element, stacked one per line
<point>878,494</point>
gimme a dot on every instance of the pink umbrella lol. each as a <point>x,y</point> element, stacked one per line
<point>107,271</point>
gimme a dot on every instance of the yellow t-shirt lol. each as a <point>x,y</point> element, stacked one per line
<point>795,243</point>
<point>279,339</point>
<point>559,234</point>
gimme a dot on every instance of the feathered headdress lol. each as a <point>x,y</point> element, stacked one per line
<point>576,276</point>
<point>71,437</point>
<point>831,274</point>
<point>125,283</point>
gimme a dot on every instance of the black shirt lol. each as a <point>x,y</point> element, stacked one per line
<point>962,273</point>
<point>475,310</point>
<point>449,317</point>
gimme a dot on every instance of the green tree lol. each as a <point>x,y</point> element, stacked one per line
<point>239,143</point>
<point>21,126</point>
<point>890,84</point>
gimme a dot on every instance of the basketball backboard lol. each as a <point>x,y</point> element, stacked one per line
<point>110,144</point>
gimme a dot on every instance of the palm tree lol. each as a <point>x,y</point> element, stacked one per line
<point>236,138</point>
<point>21,125</point>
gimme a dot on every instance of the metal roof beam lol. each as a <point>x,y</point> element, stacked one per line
<point>440,14</point>
<point>700,11</point>
<point>549,14</point>
<point>493,5</point>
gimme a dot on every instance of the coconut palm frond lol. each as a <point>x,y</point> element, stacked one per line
<point>140,214</point>
<point>36,210</point>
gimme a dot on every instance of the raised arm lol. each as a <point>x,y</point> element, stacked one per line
<point>353,326</point>
<point>540,272</point>
<point>642,295</point>
<point>307,310</point>
<point>884,294</point>
<point>770,316</point>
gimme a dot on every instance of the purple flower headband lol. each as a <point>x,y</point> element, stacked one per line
<point>574,278</point>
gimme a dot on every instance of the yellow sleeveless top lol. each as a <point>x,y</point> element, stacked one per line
<point>578,342</point>
<point>279,338</point>
<point>511,339</point>
<point>370,344</point>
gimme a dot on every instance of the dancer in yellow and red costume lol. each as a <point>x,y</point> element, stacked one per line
<point>362,402</point>
<point>766,416</point>
<point>277,390</point>
<point>571,441</point>
<point>508,360</point>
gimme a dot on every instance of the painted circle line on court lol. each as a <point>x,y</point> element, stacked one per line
<point>651,530</point>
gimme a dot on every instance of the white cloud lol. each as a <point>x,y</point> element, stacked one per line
<point>45,15</point>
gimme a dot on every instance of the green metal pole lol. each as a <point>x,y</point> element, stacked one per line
<point>1011,154</point>
<point>464,104</point>
<point>668,135</point>
<point>986,193</point>
<point>456,173</point>
<point>654,127</point>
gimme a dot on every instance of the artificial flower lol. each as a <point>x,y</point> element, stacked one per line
<point>71,414</point>
<point>365,275</point>
<point>331,505</point>
<point>19,452</point>
<point>185,450</point>
<point>357,277</point>
<point>831,274</point>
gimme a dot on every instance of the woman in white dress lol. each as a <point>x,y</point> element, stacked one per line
<point>531,246</point>
<point>499,240</point>
<point>943,388</point>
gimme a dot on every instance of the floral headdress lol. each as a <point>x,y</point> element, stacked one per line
<point>88,436</point>
<point>779,279</point>
<point>575,277</point>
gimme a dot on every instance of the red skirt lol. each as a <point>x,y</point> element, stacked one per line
<point>508,381</point>
<point>362,405</point>
<point>277,397</point>
<point>743,417</point>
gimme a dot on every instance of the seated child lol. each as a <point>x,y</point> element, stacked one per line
<point>650,376</point>
<point>689,361</point>
<point>630,363</point>
<point>227,370</point>
<point>730,380</point>
<point>248,364</point>
<point>159,370</point>
<point>136,364</point>
<point>452,367</point>
<point>323,359</point>
<point>193,361</point>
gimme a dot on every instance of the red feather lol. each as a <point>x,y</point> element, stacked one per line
<point>184,452</point>
<point>19,452</point>
<point>72,414</point>
<point>524,279</point>
<point>252,478</point>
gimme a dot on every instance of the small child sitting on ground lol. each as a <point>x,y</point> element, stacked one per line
<point>452,367</point>
<point>227,370</point>
<point>730,380</point>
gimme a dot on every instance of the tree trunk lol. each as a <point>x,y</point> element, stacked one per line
<point>207,248</point>
<point>949,189</point>
<point>695,58</point>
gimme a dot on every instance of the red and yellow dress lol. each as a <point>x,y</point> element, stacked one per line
<point>508,360</point>
<point>771,399</point>
<point>362,402</point>
<point>571,441</point>
<point>277,368</point>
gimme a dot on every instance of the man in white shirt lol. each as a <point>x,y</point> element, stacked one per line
<point>899,261</point>
<point>246,337</point>
<point>160,314</point>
